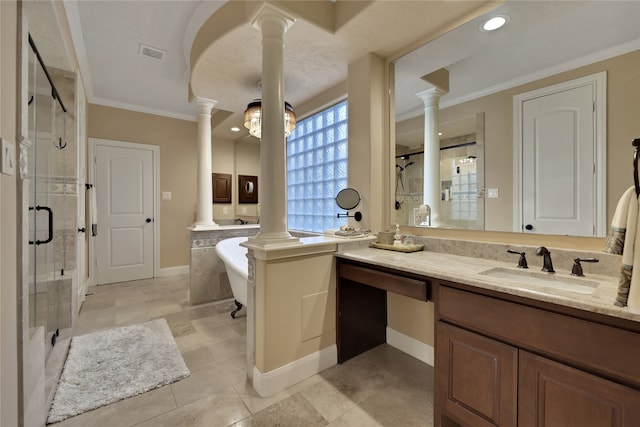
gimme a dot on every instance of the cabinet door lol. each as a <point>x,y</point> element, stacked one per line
<point>476,379</point>
<point>221,188</point>
<point>553,394</point>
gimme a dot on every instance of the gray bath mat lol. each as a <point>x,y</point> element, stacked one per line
<point>110,365</point>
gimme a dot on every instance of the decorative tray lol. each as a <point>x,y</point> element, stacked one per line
<point>407,248</point>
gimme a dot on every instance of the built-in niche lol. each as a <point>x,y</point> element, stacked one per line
<point>247,189</point>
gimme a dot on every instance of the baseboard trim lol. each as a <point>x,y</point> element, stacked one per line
<point>411,346</point>
<point>272,382</point>
<point>173,271</point>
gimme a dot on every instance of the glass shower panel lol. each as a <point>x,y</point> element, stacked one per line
<point>47,249</point>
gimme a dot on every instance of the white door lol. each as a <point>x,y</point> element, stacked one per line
<point>81,243</point>
<point>124,190</point>
<point>559,192</point>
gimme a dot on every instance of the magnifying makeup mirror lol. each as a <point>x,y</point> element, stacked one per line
<point>348,199</point>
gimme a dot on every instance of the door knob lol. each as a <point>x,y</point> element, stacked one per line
<point>82,230</point>
<point>148,220</point>
<point>529,227</point>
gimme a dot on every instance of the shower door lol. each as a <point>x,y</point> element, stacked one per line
<point>47,194</point>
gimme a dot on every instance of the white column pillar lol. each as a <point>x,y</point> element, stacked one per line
<point>273,23</point>
<point>432,188</point>
<point>204,207</point>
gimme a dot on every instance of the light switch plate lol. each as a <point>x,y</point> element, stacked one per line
<point>8,157</point>
<point>166,195</point>
<point>492,193</point>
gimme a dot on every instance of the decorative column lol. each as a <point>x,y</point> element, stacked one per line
<point>204,209</point>
<point>273,23</point>
<point>432,187</point>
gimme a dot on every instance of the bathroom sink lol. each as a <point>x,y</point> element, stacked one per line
<point>547,281</point>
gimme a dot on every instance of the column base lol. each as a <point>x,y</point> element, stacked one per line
<point>204,226</point>
<point>270,239</point>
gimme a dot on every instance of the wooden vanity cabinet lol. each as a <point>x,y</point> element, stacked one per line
<point>503,363</point>
<point>503,360</point>
<point>554,394</point>
<point>478,377</point>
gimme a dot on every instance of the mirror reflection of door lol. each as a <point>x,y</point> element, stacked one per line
<point>559,187</point>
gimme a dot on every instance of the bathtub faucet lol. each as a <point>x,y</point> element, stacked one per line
<point>242,221</point>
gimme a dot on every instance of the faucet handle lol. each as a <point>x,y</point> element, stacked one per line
<point>577,267</point>
<point>522,262</point>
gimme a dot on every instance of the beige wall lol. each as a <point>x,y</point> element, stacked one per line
<point>236,158</point>
<point>367,171</point>
<point>300,296</point>
<point>177,140</point>
<point>623,110</point>
<point>222,161</point>
<point>247,161</point>
<point>9,367</point>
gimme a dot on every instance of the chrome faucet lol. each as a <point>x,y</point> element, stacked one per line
<point>547,265</point>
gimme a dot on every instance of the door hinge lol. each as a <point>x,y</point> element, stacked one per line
<point>594,107</point>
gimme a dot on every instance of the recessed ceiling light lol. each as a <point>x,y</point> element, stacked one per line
<point>235,129</point>
<point>494,23</point>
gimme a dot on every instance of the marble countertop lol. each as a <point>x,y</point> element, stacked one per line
<point>469,271</point>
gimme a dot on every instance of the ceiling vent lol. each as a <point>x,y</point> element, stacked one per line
<point>151,52</point>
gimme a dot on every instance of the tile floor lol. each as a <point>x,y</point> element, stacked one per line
<point>383,387</point>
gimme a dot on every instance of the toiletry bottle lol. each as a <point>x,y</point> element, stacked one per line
<point>397,239</point>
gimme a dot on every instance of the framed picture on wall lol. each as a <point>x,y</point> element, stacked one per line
<point>221,187</point>
<point>247,189</point>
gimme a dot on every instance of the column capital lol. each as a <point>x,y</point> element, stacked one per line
<point>205,105</point>
<point>268,12</point>
<point>431,97</point>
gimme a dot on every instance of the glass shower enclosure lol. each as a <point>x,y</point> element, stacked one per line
<point>49,286</point>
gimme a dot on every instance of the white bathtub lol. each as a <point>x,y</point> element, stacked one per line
<point>235,261</point>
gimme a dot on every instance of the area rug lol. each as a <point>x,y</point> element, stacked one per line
<point>113,364</point>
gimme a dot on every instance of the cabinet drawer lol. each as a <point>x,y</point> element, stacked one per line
<point>589,345</point>
<point>413,288</point>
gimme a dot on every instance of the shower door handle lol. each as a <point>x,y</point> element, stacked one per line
<point>50,225</point>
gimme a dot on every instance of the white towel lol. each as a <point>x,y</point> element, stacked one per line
<point>93,212</point>
<point>623,240</point>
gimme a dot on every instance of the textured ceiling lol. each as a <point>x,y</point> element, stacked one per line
<point>107,35</point>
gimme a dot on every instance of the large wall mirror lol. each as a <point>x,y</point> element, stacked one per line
<point>542,45</point>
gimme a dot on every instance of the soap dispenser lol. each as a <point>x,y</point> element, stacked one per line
<point>397,239</point>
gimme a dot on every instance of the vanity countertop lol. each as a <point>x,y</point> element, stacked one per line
<point>468,270</point>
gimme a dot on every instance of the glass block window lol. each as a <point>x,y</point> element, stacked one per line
<point>317,170</point>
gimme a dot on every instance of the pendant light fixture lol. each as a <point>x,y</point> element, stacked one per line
<point>253,118</point>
